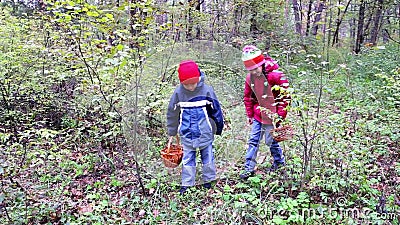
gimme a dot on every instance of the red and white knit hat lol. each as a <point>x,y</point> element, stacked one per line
<point>252,57</point>
<point>188,72</point>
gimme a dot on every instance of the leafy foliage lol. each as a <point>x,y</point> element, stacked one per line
<point>69,153</point>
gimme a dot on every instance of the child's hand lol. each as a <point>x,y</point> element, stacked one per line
<point>250,121</point>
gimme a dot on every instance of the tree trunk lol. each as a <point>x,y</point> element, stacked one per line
<point>308,22</point>
<point>317,19</point>
<point>235,29</point>
<point>330,16</point>
<point>198,7</point>
<point>253,24</point>
<point>352,24</point>
<point>338,23</point>
<point>367,24</point>
<point>385,36</point>
<point>189,25</point>
<point>132,21</point>
<point>377,23</point>
<point>360,27</point>
<point>297,19</point>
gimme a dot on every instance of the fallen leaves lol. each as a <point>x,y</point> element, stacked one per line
<point>86,208</point>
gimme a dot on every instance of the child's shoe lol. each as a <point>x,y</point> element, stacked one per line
<point>246,174</point>
<point>183,190</point>
<point>275,167</point>
<point>207,185</point>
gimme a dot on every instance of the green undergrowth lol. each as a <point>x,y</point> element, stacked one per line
<point>342,164</point>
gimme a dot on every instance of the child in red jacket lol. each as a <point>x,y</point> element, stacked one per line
<point>262,101</point>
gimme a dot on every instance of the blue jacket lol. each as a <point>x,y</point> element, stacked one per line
<point>196,115</point>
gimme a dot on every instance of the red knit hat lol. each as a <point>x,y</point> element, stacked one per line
<point>252,57</point>
<point>188,72</point>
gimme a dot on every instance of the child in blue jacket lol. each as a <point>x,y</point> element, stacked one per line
<point>194,112</point>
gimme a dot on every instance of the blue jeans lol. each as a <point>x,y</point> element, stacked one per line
<point>257,131</point>
<point>189,165</point>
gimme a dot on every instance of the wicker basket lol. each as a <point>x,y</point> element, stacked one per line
<point>282,133</point>
<point>172,154</point>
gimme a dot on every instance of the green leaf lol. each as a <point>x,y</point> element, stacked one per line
<point>120,47</point>
<point>278,220</point>
<point>92,14</point>
<point>227,188</point>
<point>341,7</point>
<point>256,179</point>
<point>238,204</point>
<point>241,185</point>
<point>123,63</point>
<point>173,206</point>
<point>71,3</point>
<point>110,16</point>
<point>67,18</point>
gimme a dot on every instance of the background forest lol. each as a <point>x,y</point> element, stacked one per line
<point>84,87</point>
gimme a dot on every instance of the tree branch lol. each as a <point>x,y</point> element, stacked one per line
<point>390,37</point>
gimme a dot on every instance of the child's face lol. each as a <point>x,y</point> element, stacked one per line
<point>257,71</point>
<point>190,87</point>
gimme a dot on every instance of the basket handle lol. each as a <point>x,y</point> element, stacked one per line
<point>170,141</point>
<point>275,119</point>
<point>273,123</point>
<point>273,116</point>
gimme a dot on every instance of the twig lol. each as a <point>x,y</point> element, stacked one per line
<point>5,206</point>
<point>91,71</point>
<point>390,37</point>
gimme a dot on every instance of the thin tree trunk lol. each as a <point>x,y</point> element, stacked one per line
<point>320,8</point>
<point>297,19</point>
<point>308,21</point>
<point>360,27</point>
<point>330,23</point>
<point>189,25</point>
<point>132,21</point>
<point>338,23</point>
<point>198,7</point>
<point>352,24</point>
<point>235,29</point>
<point>385,36</point>
<point>253,24</point>
<point>176,32</point>
<point>377,23</point>
<point>367,24</point>
<point>287,8</point>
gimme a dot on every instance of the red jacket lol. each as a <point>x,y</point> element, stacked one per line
<point>258,92</point>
